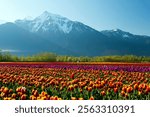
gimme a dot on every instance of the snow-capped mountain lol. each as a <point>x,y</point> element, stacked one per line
<point>47,22</point>
<point>118,33</point>
<point>54,33</point>
<point>70,35</point>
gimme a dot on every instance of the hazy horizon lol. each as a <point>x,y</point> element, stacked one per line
<point>127,15</point>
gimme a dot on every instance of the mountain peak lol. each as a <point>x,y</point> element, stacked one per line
<point>45,12</point>
<point>117,33</point>
<point>117,30</point>
<point>47,15</point>
<point>47,22</point>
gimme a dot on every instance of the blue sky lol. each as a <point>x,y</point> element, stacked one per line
<point>128,15</point>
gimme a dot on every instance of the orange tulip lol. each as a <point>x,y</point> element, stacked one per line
<point>14,95</point>
<point>91,98</point>
<point>115,90</point>
<point>89,89</point>
<point>122,93</point>
<point>36,93</point>
<point>6,90</point>
<point>136,86</point>
<point>73,98</point>
<point>80,98</point>
<point>103,93</point>
<point>23,97</point>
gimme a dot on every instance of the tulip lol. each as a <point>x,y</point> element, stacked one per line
<point>6,90</point>
<point>73,98</point>
<point>91,98</point>
<point>103,93</point>
<point>23,97</point>
<point>115,90</point>
<point>80,98</point>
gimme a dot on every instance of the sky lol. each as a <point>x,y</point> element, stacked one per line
<point>128,15</point>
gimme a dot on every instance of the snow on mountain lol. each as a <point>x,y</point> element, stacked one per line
<point>125,36</point>
<point>117,33</point>
<point>115,30</point>
<point>47,22</point>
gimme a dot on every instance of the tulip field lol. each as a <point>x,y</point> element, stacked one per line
<point>74,81</point>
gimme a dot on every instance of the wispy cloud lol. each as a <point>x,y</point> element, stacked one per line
<point>9,50</point>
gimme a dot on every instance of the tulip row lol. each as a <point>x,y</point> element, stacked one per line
<point>74,82</point>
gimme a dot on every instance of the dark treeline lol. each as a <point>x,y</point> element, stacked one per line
<point>51,57</point>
